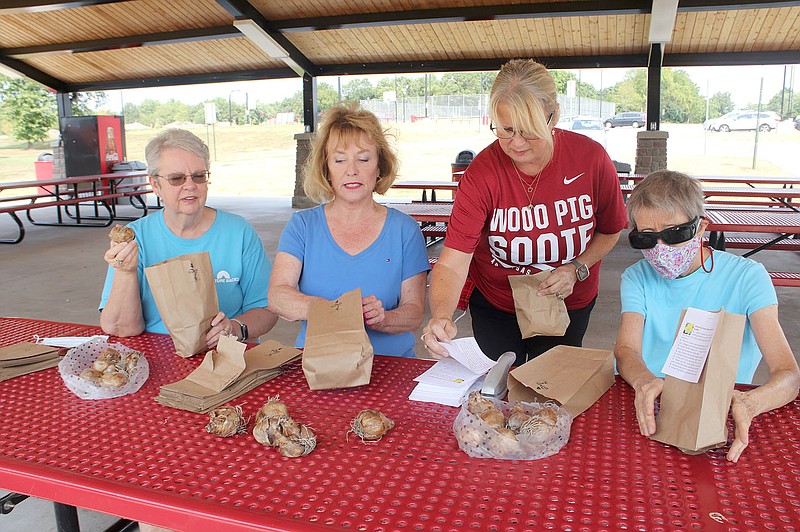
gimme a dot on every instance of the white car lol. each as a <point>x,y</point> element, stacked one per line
<point>591,127</point>
<point>742,120</point>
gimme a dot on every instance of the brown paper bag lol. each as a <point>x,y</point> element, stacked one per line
<point>537,315</point>
<point>221,366</point>
<point>338,353</point>
<point>574,377</point>
<point>186,296</point>
<point>693,416</point>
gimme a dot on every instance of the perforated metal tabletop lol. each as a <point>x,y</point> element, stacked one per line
<point>135,458</point>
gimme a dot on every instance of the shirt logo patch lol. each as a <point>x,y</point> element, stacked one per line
<point>225,277</point>
<point>567,180</point>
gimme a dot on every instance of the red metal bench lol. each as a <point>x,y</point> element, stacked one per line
<point>753,242</point>
<point>785,278</point>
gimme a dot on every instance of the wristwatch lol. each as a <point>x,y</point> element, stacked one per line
<point>581,270</point>
<point>243,327</point>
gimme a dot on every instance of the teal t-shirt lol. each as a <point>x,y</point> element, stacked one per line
<point>240,264</point>
<point>397,254</point>
<point>739,285</point>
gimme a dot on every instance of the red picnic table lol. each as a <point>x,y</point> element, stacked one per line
<point>135,458</point>
<point>100,191</point>
<point>750,180</point>
<point>425,186</point>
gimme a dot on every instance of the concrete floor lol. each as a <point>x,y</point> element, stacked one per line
<point>57,273</point>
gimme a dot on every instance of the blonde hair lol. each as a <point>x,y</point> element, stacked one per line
<point>174,138</point>
<point>346,124</point>
<point>528,92</point>
<point>669,192</point>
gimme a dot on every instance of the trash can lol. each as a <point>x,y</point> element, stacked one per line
<point>43,168</point>
<point>463,159</point>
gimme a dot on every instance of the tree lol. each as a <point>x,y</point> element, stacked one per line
<point>359,89</point>
<point>719,104</point>
<point>630,94</point>
<point>561,77</point>
<point>86,103</point>
<point>680,98</point>
<point>30,108</point>
<point>788,106</point>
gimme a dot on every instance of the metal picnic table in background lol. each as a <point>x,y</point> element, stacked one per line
<point>137,459</point>
<point>101,193</point>
<point>425,186</point>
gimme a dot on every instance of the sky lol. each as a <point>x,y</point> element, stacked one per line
<point>742,82</point>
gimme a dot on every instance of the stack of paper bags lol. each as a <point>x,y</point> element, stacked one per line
<point>226,373</point>
<point>26,357</point>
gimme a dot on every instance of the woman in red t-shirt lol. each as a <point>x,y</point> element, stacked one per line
<point>538,198</point>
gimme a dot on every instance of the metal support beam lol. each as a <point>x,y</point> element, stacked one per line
<point>654,87</point>
<point>64,105</point>
<point>310,105</point>
<point>35,74</point>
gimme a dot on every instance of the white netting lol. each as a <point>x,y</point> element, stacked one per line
<point>82,357</point>
<point>479,440</point>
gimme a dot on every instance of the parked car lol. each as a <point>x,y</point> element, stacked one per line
<point>797,123</point>
<point>626,119</point>
<point>742,120</point>
<point>591,127</point>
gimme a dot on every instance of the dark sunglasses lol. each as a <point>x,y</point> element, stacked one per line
<point>671,235</point>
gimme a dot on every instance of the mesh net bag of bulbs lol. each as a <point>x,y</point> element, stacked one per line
<point>98,369</point>
<point>490,428</point>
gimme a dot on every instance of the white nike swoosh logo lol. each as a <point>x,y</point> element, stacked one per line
<point>568,181</point>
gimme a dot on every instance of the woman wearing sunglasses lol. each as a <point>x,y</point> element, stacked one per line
<point>538,198</point>
<point>178,163</point>
<point>665,214</point>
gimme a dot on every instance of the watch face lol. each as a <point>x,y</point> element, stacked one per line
<point>582,272</point>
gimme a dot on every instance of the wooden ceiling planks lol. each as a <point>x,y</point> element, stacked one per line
<point>696,32</point>
<point>107,21</point>
<point>153,61</point>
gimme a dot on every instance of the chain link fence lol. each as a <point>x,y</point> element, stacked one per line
<point>466,106</point>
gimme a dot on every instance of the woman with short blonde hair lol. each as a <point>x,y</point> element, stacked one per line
<point>351,241</point>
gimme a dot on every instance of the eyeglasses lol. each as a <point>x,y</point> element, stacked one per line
<point>671,235</point>
<point>506,133</point>
<point>177,180</point>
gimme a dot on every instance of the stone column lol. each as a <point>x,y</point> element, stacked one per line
<point>651,151</point>
<point>59,169</point>
<point>300,200</point>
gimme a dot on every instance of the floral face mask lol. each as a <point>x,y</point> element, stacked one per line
<point>672,261</point>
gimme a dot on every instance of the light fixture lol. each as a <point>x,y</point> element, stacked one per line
<point>260,38</point>
<point>662,20</point>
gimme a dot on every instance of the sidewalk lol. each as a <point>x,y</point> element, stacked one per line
<point>57,274</point>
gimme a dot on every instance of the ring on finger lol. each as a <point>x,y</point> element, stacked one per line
<point>423,336</point>
<point>117,260</point>
<point>559,296</point>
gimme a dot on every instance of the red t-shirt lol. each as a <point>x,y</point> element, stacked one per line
<point>578,194</point>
